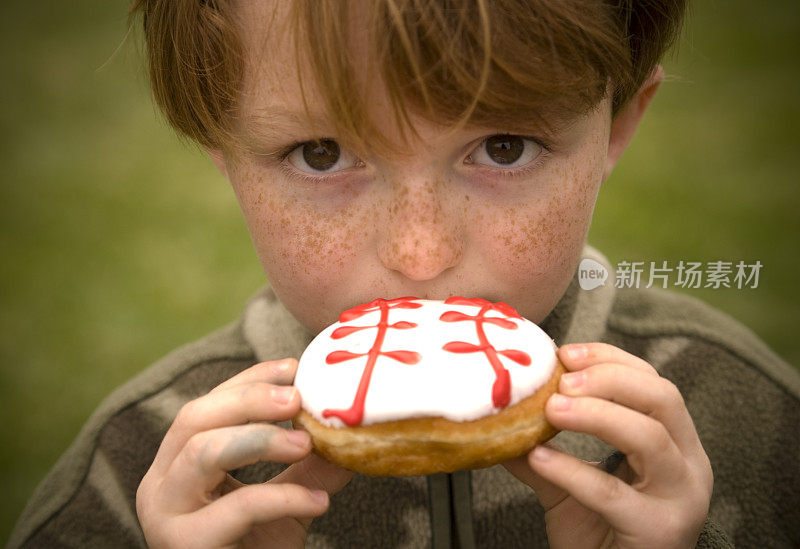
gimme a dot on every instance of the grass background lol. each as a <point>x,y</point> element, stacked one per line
<point>119,243</point>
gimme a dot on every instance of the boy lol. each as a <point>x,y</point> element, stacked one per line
<point>380,150</point>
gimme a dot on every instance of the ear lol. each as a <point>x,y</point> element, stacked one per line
<point>218,158</point>
<point>627,120</point>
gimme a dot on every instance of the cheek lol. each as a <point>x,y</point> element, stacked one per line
<point>544,237</point>
<point>293,238</point>
<point>305,251</point>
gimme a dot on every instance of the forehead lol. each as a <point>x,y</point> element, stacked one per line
<point>276,62</point>
<point>280,88</point>
<point>273,110</point>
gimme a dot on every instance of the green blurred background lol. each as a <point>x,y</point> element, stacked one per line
<point>120,243</point>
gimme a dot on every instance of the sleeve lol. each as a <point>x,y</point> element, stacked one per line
<point>713,537</point>
<point>88,499</point>
<point>748,423</point>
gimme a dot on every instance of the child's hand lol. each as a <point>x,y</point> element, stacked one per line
<point>188,499</point>
<point>659,496</point>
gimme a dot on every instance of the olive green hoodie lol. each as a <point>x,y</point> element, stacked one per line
<point>745,402</point>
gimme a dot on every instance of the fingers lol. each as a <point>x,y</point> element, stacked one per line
<point>316,474</point>
<point>237,404</point>
<point>549,494</point>
<point>605,371</point>
<point>637,389</point>
<point>595,489</point>
<point>188,495</point>
<point>578,356</point>
<point>650,450</point>
<point>278,372</point>
<point>227,520</point>
<point>622,400</point>
<point>206,458</point>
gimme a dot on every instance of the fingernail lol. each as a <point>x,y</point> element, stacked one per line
<point>283,394</point>
<point>560,402</point>
<point>298,438</point>
<point>542,453</point>
<point>573,380</point>
<point>321,496</point>
<point>281,367</point>
<point>575,352</point>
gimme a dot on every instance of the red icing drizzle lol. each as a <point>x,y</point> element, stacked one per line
<point>501,390</point>
<point>355,414</point>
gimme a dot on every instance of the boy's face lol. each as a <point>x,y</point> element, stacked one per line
<point>503,219</point>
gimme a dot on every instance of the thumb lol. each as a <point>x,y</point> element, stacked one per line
<point>315,473</point>
<point>548,493</point>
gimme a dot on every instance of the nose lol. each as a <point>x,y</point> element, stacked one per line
<point>421,237</point>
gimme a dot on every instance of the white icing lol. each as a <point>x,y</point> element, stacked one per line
<point>453,385</point>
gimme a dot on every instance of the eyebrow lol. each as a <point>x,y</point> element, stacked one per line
<point>270,124</point>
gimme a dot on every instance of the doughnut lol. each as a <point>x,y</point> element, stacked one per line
<point>409,386</point>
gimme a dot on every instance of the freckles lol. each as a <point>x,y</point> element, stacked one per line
<point>295,238</point>
<point>542,237</point>
<point>322,244</point>
<point>531,239</point>
<point>554,230</point>
<point>542,240</point>
<point>420,231</point>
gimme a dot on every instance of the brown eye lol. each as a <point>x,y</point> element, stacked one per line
<point>321,155</point>
<point>505,149</point>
